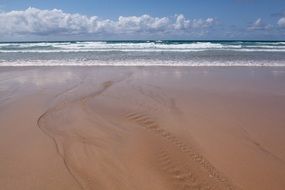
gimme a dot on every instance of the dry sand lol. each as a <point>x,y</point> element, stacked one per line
<point>142,128</point>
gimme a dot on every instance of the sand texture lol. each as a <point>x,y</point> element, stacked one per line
<point>143,128</point>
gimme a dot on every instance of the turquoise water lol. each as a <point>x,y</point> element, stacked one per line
<point>144,53</point>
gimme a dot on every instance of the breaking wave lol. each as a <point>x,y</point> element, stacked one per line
<point>143,53</point>
<point>143,46</point>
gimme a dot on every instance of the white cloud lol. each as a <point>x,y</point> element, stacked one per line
<point>144,23</point>
<point>281,22</point>
<point>259,25</point>
<point>33,21</point>
<point>184,24</point>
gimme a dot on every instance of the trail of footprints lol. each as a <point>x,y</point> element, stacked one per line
<point>182,175</point>
<point>188,176</point>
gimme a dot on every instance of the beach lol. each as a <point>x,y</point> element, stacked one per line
<point>136,127</point>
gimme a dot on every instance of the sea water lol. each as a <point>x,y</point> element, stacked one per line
<point>143,53</point>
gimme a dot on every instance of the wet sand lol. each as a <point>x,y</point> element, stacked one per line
<point>129,128</point>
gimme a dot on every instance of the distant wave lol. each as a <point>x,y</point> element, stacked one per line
<point>143,46</point>
<point>143,53</point>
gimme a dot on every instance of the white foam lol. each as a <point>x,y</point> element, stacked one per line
<point>144,63</point>
<point>138,50</point>
<point>158,46</point>
<point>104,46</point>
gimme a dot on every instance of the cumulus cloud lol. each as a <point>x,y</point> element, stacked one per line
<point>144,23</point>
<point>184,24</point>
<point>258,25</point>
<point>33,21</point>
<point>281,22</point>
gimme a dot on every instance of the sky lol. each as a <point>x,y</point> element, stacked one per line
<point>40,20</point>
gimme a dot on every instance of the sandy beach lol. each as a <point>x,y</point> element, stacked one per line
<point>138,128</point>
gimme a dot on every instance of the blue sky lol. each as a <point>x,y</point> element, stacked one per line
<point>167,19</point>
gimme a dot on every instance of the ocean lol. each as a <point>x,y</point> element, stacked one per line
<point>143,53</point>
